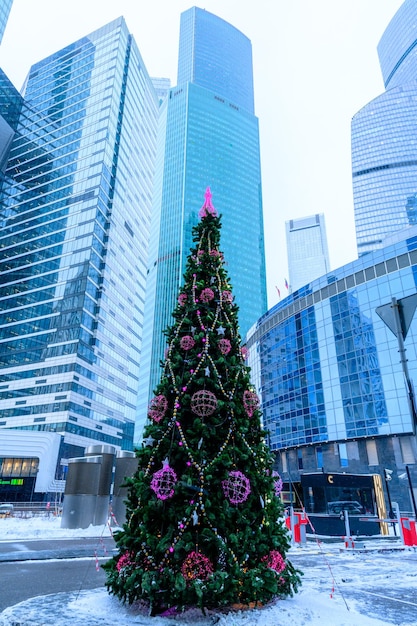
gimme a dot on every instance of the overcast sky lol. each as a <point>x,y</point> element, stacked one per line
<point>315,66</point>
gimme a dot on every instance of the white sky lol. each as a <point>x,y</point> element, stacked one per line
<point>315,66</point>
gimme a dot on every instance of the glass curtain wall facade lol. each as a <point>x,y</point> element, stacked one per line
<point>5,7</point>
<point>384,140</point>
<point>74,230</point>
<point>208,136</point>
<point>10,107</point>
<point>307,250</point>
<point>327,369</point>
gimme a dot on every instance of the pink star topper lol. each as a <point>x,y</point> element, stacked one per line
<point>207,207</point>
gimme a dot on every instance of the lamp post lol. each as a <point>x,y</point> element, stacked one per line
<point>387,475</point>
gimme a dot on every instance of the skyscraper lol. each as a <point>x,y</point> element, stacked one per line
<point>208,136</point>
<point>5,7</point>
<point>74,230</point>
<point>307,250</point>
<point>384,140</point>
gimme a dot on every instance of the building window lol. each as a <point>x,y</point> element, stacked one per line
<point>372,452</point>
<point>319,457</point>
<point>343,457</point>
<point>300,459</point>
<point>407,451</point>
<point>284,461</point>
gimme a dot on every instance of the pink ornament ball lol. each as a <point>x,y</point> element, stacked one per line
<point>157,408</point>
<point>250,402</point>
<point>227,296</point>
<point>163,482</point>
<point>206,295</point>
<point>236,488</point>
<point>196,566</point>
<point>124,561</point>
<point>278,484</point>
<point>182,299</point>
<point>187,342</point>
<point>274,561</point>
<point>224,346</point>
<point>203,403</point>
<point>245,353</point>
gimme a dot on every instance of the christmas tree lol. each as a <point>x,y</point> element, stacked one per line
<point>204,514</point>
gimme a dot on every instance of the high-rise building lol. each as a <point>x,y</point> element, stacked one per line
<point>208,136</point>
<point>307,250</point>
<point>337,393</point>
<point>384,140</point>
<point>5,7</point>
<point>74,228</point>
<point>10,107</point>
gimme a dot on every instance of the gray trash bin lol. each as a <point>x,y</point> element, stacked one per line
<point>81,488</point>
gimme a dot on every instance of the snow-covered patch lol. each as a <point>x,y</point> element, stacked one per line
<point>45,527</point>
<point>374,587</point>
<point>98,608</point>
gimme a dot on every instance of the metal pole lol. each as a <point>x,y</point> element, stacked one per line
<point>398,516</point>
<point>390,512</point>
<point>403,360</point>
<point>411,490</point>
<point>347,525</point>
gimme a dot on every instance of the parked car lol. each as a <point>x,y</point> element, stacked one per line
<point>351,506</point>
<point>6,510</point>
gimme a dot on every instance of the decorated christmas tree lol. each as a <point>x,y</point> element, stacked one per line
<point>204,514</point>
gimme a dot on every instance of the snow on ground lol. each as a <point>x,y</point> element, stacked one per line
<point>336,590</point>
<point>12,528</point>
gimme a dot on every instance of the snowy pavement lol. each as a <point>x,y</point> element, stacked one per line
<point>374,587</point>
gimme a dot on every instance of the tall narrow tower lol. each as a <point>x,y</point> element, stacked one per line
<point>384,140</point>
<point>208,136</point>
<point>307,250</point>
<point>74,229</point>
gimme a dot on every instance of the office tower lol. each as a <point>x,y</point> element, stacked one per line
<point>5,7</point>
<point>384,140</point>
<point>208,136</point>
<point>10,107</point>
<point>307,251</point>
<point>76,203</point>
<point>327,366</point>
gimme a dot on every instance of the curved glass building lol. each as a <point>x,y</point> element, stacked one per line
<point>208,136</point>
<point>327,367</point>
<point>384,140</point>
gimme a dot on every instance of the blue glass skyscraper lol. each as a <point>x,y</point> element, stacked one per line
<point>5,7</point>
<point>74,228</point>
<point>384,140</point>
<point>208,136</point>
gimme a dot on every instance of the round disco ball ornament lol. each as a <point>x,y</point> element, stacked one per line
<point>163,482</point>
<point>236,488</point>
<point>274,561</point>
<point>224,346</point>
<point>196,566</point>
<point>227,296</point>
<point>206,295</point>
<point>250,402</point>
<point>157,408</point>
<point>203,403</point>
<point>187,342</point>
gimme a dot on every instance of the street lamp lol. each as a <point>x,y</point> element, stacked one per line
<point>388,477</point>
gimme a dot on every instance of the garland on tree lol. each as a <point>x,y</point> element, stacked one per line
<point>204,513</point>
